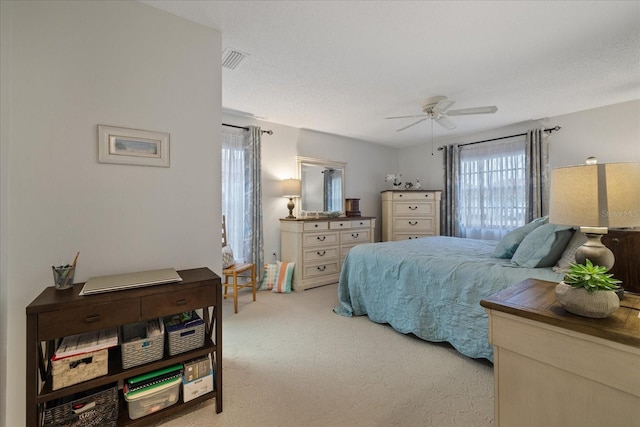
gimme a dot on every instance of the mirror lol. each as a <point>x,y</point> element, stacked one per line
<point>322,184</point>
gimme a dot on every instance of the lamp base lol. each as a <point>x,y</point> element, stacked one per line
<point>594,250</point>
<point>290,206</point>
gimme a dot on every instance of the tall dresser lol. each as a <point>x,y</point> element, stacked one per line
<point>319,245</point>
<point>410,214</point>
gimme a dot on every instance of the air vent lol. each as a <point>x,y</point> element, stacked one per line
<point>231,58</point>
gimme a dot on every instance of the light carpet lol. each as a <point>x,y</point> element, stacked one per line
<point>288,360</point>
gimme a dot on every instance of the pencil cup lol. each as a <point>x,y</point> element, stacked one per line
<point>63,277</point>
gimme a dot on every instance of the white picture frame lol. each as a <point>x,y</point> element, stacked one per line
<point>133,146</point>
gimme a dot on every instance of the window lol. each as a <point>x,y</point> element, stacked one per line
<point>233,185</point>
<point>492,189</point>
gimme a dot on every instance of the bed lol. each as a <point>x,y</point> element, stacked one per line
<point>430,287</point>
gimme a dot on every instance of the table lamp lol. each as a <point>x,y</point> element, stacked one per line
<point>291,188</point>
<point>596,197</point>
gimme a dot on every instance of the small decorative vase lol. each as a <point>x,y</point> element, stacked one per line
<point>397,186</point>
<point>597,304</point>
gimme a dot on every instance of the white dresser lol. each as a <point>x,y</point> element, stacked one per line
<point>410,214</point>
<point>319,245</point>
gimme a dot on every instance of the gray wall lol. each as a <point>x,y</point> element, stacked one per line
<point>611,133</point>
<point>67,67</point>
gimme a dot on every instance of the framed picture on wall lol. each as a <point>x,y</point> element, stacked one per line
<point>132,146</point>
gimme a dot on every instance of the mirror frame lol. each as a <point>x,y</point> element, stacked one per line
<point>301,160</point>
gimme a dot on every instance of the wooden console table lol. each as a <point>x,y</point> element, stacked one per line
<point>55,314</point>
<point>554,368</point>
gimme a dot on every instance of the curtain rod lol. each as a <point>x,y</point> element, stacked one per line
<point>550,130</point>
<point>268,132</point>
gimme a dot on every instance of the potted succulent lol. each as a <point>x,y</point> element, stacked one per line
<point>587,290</point>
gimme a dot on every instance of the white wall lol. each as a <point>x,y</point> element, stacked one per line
<point>69,67</point>
<point>367,165</point>
<point>610,133</point>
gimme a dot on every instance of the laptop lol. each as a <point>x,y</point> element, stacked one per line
<point>117,282</point>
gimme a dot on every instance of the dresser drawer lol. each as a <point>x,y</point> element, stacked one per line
<point>363,223</point>
<point>323,269</point>
<point>339,225</point>
<point>319,254</point>
<point>316,225</point>
<point>410,236</point>
<point>354,236</point>
<point>413,195</point>
<point>73,321</point>
<point>417,209</point>
<point>167,303</point>
<point>319,239</point>
<point>413,225</point>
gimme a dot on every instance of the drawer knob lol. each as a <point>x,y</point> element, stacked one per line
<point>322,267</point>
<point>321,253</point>
<point>355,235</point>
<point>413,208</point>
<point>92,319</point>
<point>399,195</point>
<point>321,238</point>
<point>413,222</point>
<point>181,302</point>
<point>315,225</point>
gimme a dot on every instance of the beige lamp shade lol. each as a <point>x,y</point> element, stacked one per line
<point>596,195</point>
<point>291,188</point>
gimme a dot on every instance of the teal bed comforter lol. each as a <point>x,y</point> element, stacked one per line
<point>430,287</point>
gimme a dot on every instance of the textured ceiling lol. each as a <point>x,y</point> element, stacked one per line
<point>341,67</point>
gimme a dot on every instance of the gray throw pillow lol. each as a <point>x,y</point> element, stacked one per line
<point>543,246</point>
<point>507,246</point>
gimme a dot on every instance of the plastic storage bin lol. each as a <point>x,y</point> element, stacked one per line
<point>142,342</point>
<point>98,407</point>
<point>185,332</point>
<point>152,399</point>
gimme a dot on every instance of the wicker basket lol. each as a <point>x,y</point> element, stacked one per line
<point>185,332</point>
<point>98,408</point>
<point>139,346</point>
<point>76,369</point>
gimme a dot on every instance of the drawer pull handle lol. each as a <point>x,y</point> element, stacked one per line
<point>413,222</point>
<point>321,253</point>
<point>91,319</point>
<point>413,208</point>
<point>355,235</point>
<point>322,267</point>
<point>321,238</point>
<point>181,302</point>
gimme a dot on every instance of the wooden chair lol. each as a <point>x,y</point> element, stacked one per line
<point>237,271</point>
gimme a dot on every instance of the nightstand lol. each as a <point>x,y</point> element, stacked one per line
<point>553,368</point>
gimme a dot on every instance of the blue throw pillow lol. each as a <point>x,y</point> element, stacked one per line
<point>543,246</point>
<point>507,246</point>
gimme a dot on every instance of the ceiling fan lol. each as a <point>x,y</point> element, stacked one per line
<point>437,109</point>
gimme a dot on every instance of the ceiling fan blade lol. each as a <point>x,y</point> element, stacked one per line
<point>412,124</point>
<point>446,122</point>
<point>443,105</point>
<point>405,117</point>
<point>476,110</point>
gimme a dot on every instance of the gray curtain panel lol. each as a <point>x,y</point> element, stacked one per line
<point>254,237</point>
<point>537,159</point>
<point>450,226</point>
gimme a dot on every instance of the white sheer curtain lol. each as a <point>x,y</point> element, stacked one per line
<point>492,189</point>
<point>233,188</point>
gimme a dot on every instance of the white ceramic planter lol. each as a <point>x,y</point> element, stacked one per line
<point>597,304</point>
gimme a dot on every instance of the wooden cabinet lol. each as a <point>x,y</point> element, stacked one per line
<point>319,245</point>
<point>625,245</point>
<point>554,368</point>
<point>55,314</point>
<point>410,214</point>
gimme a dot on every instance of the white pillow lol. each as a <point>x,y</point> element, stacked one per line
<point>227,257</point>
